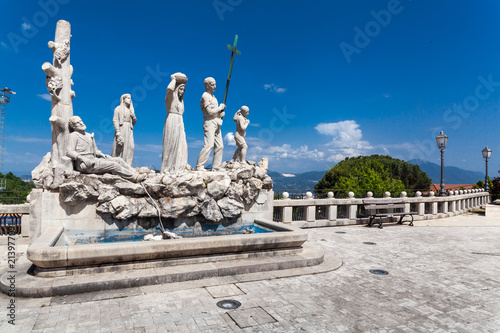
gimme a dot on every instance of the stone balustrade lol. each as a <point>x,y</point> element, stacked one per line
<point>21,209</point>
<point>310,212</point>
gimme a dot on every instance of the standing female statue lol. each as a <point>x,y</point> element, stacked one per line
<point>175,150</point>
<point>124,120</point>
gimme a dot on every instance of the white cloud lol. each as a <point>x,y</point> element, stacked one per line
<point>254,141</point>
<point>27,139</point>
<point>148,147</point>
<point>347,139</point>
<point>229,139</point>
<point>334,129</point>
<point>274,88</point>
<point>20,160</point>
<point>196,144</point>
<point>46,97</point>
<point>403,146</point>
<point>386,95</point>
<point>26,26</point>
<point>4,45</point>
<point>288,175</point>
<point>286,151</point>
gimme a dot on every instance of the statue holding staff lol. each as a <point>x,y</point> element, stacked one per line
<point>212,114</point>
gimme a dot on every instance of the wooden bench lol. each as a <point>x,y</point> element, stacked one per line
<point>386,208</point>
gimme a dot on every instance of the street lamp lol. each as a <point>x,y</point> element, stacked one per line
<point>442,141</point>
<point>486,155</point>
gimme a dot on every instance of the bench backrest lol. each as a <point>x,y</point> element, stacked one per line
<point>382,204</point>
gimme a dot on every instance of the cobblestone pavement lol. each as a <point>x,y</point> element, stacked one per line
<point>443,277</point>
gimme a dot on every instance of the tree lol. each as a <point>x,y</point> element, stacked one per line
<point>374,173</point>
<point>16,189</point>
<point>495,188</point>
<point>481,184</point>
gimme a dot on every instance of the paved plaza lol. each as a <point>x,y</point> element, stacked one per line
<point>444,276</point>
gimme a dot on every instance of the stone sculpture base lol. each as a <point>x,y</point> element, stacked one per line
<point>48,210</point>
<point>233,198</point>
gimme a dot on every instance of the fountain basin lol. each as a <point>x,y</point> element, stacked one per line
<point>43,252</point>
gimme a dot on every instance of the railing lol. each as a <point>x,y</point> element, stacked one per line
<point>338,211</point>
<point>10,224</point>
<point>14,220</point>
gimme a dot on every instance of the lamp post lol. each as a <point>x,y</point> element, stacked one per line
<point>486,155</point>
<point>442,141</point>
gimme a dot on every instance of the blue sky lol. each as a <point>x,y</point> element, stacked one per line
<point>324,80</point>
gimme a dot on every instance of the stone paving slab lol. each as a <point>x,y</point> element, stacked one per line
<point>442,278</point>
<point>225,290</point>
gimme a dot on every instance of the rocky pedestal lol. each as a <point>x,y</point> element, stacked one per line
<point>232,197</point>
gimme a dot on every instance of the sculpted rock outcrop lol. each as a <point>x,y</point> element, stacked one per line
<point>229,207</point>
<point>211,211</point>
<point>73,192</point>
<point>218,188</point>
<point>212,196</point>
<point>175,207</point>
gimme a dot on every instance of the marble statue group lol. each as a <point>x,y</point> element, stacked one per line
<point>78,174</point>
<point>73,149</point>
<point>175,149</point>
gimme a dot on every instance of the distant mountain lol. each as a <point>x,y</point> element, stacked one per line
<point>452,175</point>
<point>307,180</point>
<point>300,181</point>
<point>22,174</point>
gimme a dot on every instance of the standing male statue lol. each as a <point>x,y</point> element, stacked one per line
<point>212,113</point>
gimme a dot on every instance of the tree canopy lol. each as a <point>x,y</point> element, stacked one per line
<point>16,189</point>
<point>376,173</point>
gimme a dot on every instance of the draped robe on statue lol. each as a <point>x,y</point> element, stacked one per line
<point>123,121</point>
<point>175,150</point>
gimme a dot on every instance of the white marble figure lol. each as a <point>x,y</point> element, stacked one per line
<point>241,128</point>
<point>59,82</point>
<point>124,120</point>
<point>213,114</point>
<point>88,159</point>
<point>175,150</point>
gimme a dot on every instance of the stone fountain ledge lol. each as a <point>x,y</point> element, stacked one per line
<point>309,261</point>
<point>244,258</point>
<point>44,254</point>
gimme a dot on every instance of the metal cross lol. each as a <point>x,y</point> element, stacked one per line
<point>233,52</point>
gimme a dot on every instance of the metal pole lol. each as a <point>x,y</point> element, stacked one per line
<point>442,192</point>
<point>486,187</point>
<point>234,51</point>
